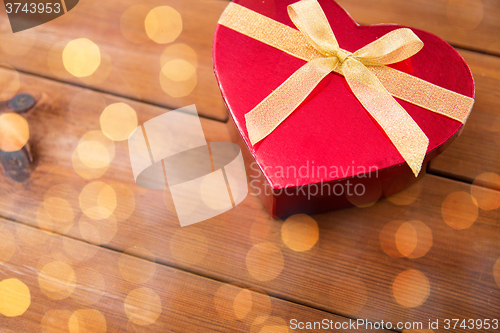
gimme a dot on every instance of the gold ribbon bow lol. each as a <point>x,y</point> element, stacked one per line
<point>371,82</point>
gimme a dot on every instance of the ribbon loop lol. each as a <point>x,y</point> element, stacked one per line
<point>309,18</point>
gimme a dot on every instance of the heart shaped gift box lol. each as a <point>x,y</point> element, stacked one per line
<point>330,150</point>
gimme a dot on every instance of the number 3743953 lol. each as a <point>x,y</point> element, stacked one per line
<point>32,8</point>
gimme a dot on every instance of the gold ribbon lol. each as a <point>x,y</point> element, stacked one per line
<point>371,82</point>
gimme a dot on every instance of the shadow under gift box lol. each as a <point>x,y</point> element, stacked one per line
<point>330,128</point>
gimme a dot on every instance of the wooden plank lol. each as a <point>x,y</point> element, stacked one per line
<point>78,287</point>
<point>346,271</point>
<point>476,150</point>
<point>470,24</point>
<point>127,68</point>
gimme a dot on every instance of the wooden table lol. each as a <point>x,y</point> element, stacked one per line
<point>430,253</point>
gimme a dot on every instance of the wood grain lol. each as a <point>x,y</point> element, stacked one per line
<point>345,272</point>
<point>127,69</point>
<point>97,295</point>
<point>477,150</point>
<point>470,24</point>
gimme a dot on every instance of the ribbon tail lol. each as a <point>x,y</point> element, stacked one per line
<point>410,141</point>
<point>278,105</point>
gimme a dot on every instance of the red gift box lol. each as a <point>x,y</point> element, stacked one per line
<point>329,153</point>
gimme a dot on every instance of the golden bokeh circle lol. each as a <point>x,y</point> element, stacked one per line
<point>459,210</point>
<point>189,246</point>
<point>412,239</point>
<point>93,155</point>
<point>411,288</point>
<point>10,82</point>
<point>406,239</point>
<point>57,280</point>
<point>14,132</point>
<point>143,306</point>
<point>125,202</point>
<point>100,231</point>
<point>7,245</point>
<point>486,199</point>
<point>178,70</point>
<point>179,51</point>
<point>137,265</point>
<point>54,321</point>
<point>224,302</point>
<point>163,24</point>
<point>98,159</point>
<point>300,232</point>
<point>132,23</point>
<point>78,251</point>
<point>81,57</point>
<point>264,261</point>
<point>59,209</point>
<point>271,324</point>
<point>407,196</point>
<point>465,14</point>
<point>91,286</point>
<point>87,321</point>
<point>15,297</point>
<point>178,87</point>
<point>118,120</point>
<point>98,200</point>
<point>242,304</point>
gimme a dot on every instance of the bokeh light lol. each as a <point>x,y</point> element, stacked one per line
<point>348,295</point>
<point>264,261</point>
<point>179,51</point>
<point>57,280</point>
<point>412,239</point>
<point>98,231</point>
<point>78,251</point>
<point>125,201</point>
<point>459,210</point>
<point>93,155</point>
<point>14,132</point>
<point>407,196</point>
<point>15,297</point>
<point>137,265</point>
<point>178,78</point>
<point>189,246</point>
<point>143,306</point>
<point>9,82</point>
<point>163,24</point>
<point>98,200</point>
<point>465,14</point>
<point>81,57</point>
<point>232,302</point>
<point>371,192</point>
<point>87,321</point>
<point>118,120</point>
<point>300,232</point>
<point>486,199</point>
<point>54,320</point>
<point>59,207</point>
<point>411,288</point>
<point>132,23</point>
<point>90,286</point>
<point>272,324</point>
<point>7,245</point>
